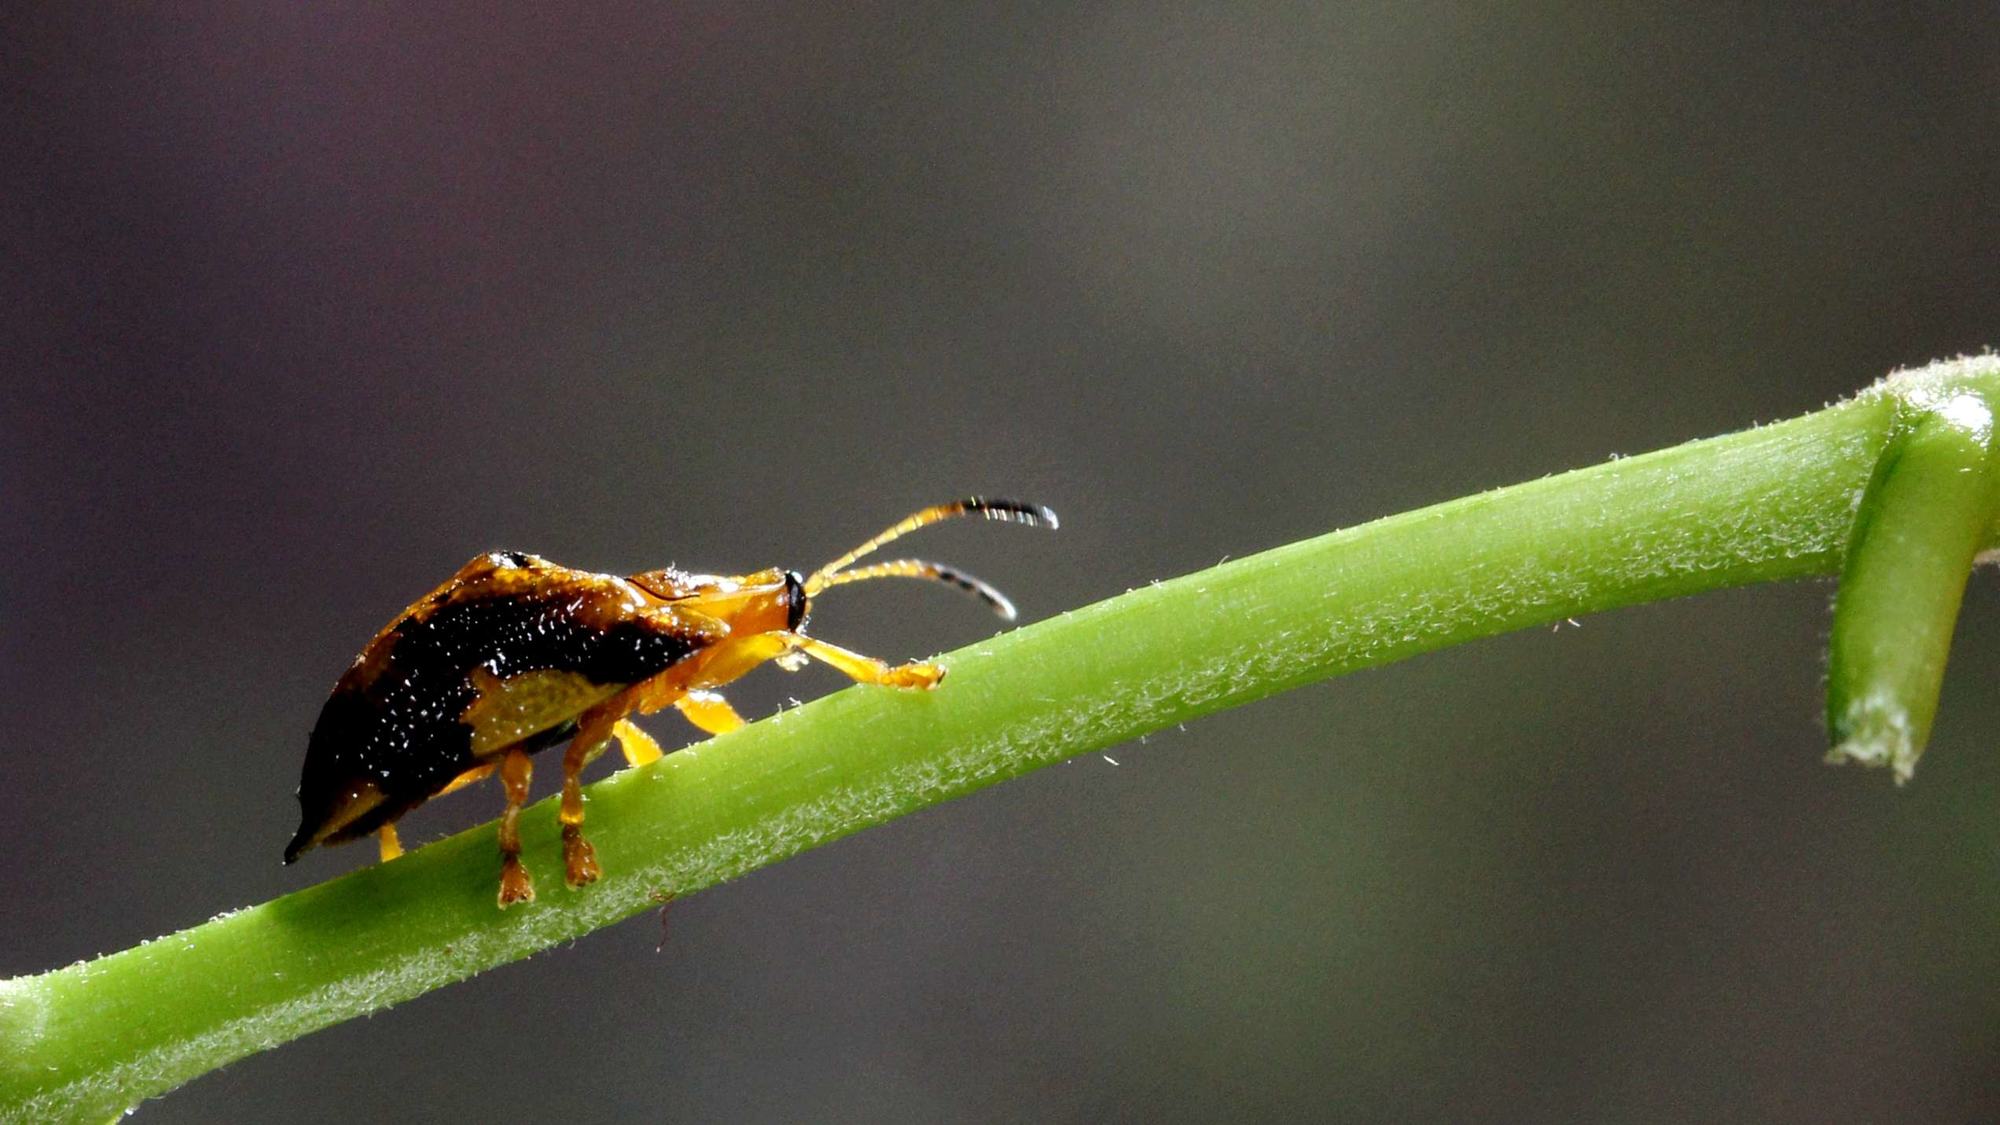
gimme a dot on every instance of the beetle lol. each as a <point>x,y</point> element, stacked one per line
<point>514,654</point>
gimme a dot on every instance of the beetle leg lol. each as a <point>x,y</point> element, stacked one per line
<point>638,746</point>
<point>867,669</point>
<point>732,658</point>
<point>392,846</point>
<point>708,711</point>
<point>516,770</point>
<point>738,655</point>
<point>476,773</point>
<point>593,734</point>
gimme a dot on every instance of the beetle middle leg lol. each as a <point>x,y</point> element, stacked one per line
<point>476,773</point>
<point>708,712</point>
<point>639,747</point>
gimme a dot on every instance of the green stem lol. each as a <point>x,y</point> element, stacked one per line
<point>1767,504</point>
<point>1920,523</point>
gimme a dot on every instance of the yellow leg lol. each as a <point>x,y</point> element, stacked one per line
<point>391,845</point>
<point>638,746</point>
<point>476,773</point>
<point>516,771</point>
<point>592,736</point>
<point>867,669</point>
<point>729,660</point>
<point>709,712</point>
<point>734,657</point>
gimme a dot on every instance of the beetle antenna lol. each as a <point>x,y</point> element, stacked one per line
<point>1010,511</point>
<point>934,572</point>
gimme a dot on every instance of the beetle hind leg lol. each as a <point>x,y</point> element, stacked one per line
<point>516,770</point>
<point>593,734</point>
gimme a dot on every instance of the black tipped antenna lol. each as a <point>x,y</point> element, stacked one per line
<point>1009,511</point>
<point>934,572</point>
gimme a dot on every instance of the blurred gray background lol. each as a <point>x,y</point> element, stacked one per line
<point>301,308</point>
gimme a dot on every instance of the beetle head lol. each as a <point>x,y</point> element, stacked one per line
<point>776,600</point>
<point>765,602</point>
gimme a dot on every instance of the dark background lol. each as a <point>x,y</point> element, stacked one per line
<point>300,309</point>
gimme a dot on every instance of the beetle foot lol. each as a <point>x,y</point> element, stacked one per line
<point>914,675</point>
<point>579,858</point>
<point>515,885</point>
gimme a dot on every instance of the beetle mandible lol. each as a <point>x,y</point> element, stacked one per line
<point>514,654</point>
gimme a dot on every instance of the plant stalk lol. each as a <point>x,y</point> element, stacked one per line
<point>1767,504</point>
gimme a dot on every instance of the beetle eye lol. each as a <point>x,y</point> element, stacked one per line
<point>795,601</point>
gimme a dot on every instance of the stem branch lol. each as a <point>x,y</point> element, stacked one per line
<point>1921,521</point>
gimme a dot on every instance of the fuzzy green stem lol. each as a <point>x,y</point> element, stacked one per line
<point>1920,523</point>
<point>1763,505</point>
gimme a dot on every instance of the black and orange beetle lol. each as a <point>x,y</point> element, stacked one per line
<point>514,654</point>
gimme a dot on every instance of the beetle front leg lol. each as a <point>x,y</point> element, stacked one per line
<point>734,657</point>
<point>516,770</point>
<point>867,669</point>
